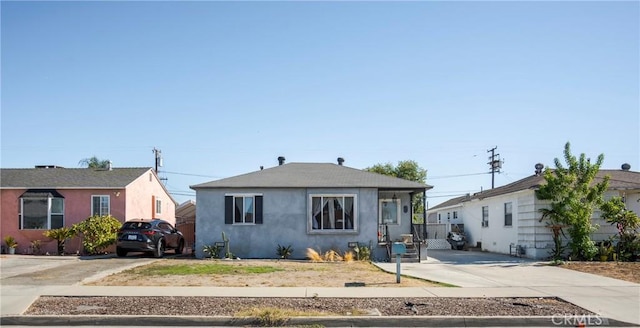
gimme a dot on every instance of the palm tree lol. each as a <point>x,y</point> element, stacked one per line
<point>95,163</point>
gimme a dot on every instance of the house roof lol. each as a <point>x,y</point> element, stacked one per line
<point>618,180</point>
<point>186,212</point>
<point>62,178</point>
<point>313,175</point>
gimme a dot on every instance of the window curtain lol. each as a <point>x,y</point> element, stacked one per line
<point>318,204</point>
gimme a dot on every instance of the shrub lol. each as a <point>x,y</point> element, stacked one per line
<point>60,235</point>
<point>36,246</point>
<point>284,252</point>
<point>313,255</point>
<point>348,256</point>
<point>98,232</point>
<point>213,251</point>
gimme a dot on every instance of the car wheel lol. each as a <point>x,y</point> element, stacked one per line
<point>121,252</point>
<point>180,247</point>
<point>159,251</point>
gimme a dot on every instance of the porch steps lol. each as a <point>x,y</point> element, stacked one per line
<point>411,256</point>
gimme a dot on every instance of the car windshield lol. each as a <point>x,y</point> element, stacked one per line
<point>136,225</point>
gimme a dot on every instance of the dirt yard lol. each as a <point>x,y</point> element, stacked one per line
<point>291,274</point>
<point>305,273</point>
<point>627,271</point>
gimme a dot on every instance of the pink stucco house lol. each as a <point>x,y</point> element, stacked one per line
<point>48,197</point>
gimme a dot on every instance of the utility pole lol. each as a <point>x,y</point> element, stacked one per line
<point>495,164</point>
<point>158,156</point>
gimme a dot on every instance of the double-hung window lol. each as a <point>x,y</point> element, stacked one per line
<point>508,214</point>
<point>332,213</point>
<point>158,206</point>
<point>41,210</point>
<point>485,216</point>
<point>243,209</point>
<point>100,205</point>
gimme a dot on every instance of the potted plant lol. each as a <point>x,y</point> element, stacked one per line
<point>11,244</point>
<point>605,249</point>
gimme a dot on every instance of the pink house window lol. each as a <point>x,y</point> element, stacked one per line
<point>100,205</point>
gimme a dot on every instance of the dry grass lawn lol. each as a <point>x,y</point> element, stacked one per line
<point>286,273</point>
<point>291,273</point>
<point>627,271</point>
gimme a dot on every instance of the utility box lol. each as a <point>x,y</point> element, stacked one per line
<point>398,248</point>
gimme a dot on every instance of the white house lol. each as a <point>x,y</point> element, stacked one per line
<point>507,219</point>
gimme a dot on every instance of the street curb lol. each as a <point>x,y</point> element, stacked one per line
<point>359,321</point>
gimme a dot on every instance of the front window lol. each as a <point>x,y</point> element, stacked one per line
<point>100,205</point>
<point>389,211</point>
<point>333,212</point>
<point>41,213</point>
<point>508,215</point>
<point>243,209</point>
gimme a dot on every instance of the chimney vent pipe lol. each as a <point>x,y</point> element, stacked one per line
<point>281,160</point>
<point>340,160</point>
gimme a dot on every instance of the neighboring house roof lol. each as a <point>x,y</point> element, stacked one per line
<point>618,180</point>
<point>313,175</point>
<point>62,178</point>
<point>186,211</point>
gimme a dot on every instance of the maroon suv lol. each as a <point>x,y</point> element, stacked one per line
<point>152,236</point>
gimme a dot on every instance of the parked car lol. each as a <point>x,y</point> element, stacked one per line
<point>152,236</point>
<point>456,239</point>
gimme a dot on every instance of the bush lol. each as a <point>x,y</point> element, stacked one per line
<point>98,232</point>
<point>284,252</point>
<point>213,251</point>
<point>60,235</point>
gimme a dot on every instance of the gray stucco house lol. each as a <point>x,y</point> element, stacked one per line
<point>322,206</point>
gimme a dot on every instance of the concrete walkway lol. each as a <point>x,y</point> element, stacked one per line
<point>480,275</point>
<point>487,274</point>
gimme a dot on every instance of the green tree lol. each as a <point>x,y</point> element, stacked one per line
<point>627,222</point>
<point>408,170</point>
<point>94,163</point>
<point>97,232</point>
<point>574,196</point>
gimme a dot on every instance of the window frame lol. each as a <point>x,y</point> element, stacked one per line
<point>93,210</point>
<point>381,204</point>
<point>158,206</point>
<point>50,213</point>
<point>344,230</point>
<point>256,217</point>
<point>485,216</point>
<point>508,215</point>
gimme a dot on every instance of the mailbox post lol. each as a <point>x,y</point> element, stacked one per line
<point>398,249</point>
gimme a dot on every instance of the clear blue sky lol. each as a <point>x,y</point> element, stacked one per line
<point>225,87</point>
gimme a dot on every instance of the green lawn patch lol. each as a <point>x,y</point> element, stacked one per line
<point>200,269</point>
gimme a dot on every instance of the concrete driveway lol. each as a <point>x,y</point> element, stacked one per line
<point>28,270</point>
<point>607,296</point>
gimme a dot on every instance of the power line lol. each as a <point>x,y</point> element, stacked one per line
<point>455,176</point>
<point>191,174</point>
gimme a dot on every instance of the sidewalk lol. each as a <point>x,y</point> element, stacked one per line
<point>609,298</point>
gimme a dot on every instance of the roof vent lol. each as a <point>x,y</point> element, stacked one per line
<point>281,160</point>
<point>48,167</point>
<point>340,160</point>
<point>110,166</point>
<point>626,167</point>
<point>539,168</point>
